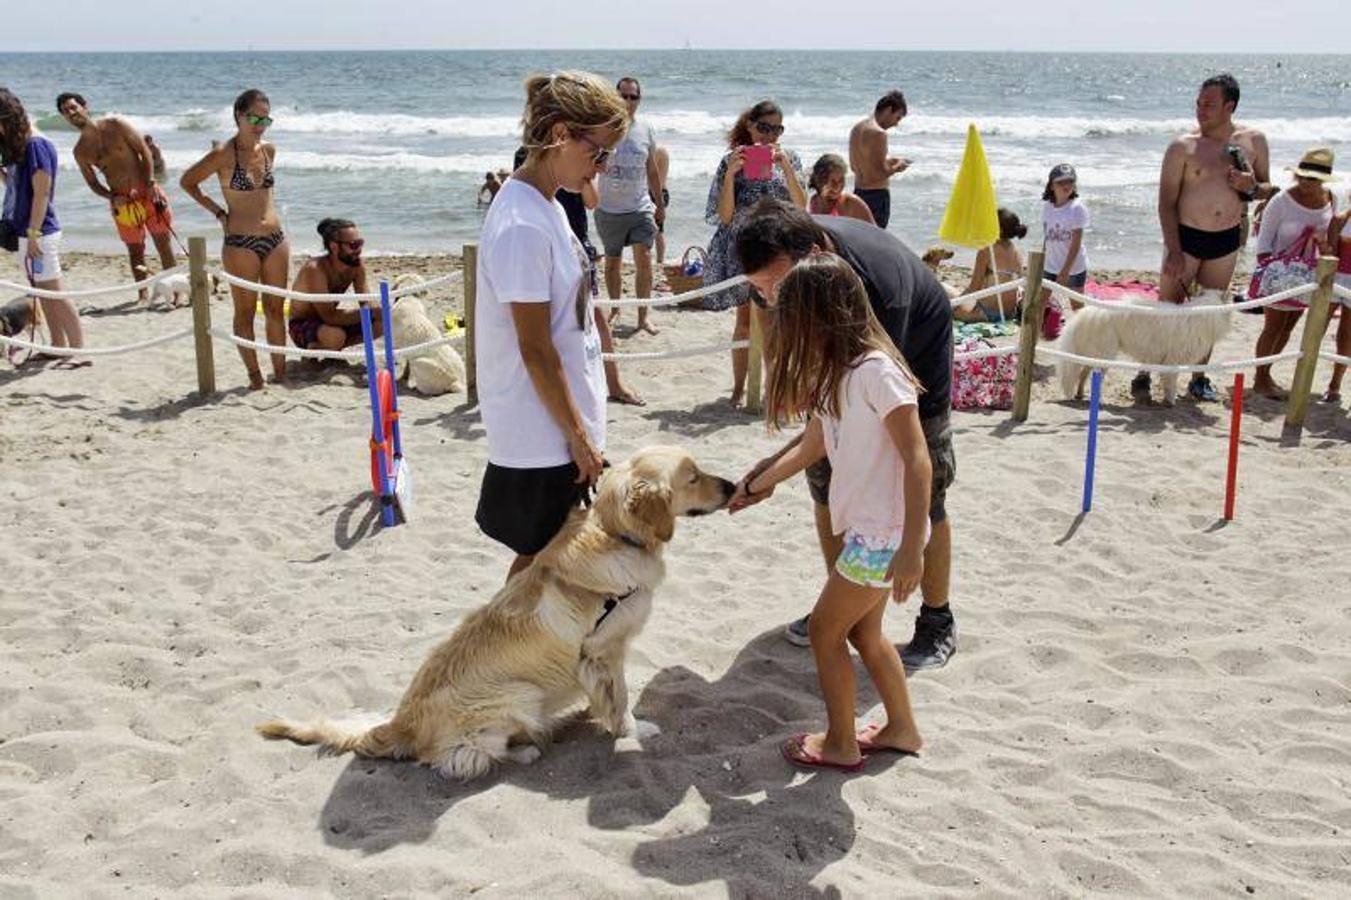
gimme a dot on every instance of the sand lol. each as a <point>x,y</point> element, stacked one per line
<point>1146,701</point>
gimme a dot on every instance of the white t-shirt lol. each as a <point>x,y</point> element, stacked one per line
<point>527,254</point>
<point>1285,219</point>
<point>623,184</point>
<point>867,481</point>
<point>1059,224</point>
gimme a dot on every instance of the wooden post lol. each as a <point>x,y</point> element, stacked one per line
<point>755,363</point>
<point>1028,332</point>
<point>469,264</point>
<point>1315,326</point>
<point>199,289</point>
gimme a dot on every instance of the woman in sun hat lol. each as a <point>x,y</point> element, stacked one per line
<point>1294,230</point>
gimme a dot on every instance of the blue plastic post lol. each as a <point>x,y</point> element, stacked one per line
<point>387,318</point>
<point>1095,397</point>
<point>377,429</point>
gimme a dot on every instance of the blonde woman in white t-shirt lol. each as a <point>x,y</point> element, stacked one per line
<point>830,360</point>
<point>540,379</point>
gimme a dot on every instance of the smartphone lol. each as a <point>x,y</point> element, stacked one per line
<point>759,161</point>
<point>1236,157</point>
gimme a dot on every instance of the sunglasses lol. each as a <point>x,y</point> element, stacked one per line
<point>766,128</point>
<point>352,245</point>
<point>600,155</point>
<point>258,121</point>
<point>632,96</point>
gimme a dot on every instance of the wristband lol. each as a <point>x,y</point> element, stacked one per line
<point>35,234</point>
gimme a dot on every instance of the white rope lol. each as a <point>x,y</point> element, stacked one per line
<point>675,354</point>
<point>1331,357</point>
<point>98,351</point>
<point>988,292</point>
<point>987,352</point>
<point>1162,369</point>
<point>1181,309</point>
<point>1342,291</point>
<point>333,298</point>
<point>357,355</point>
<point>673,300</point>
<point>91,292</point>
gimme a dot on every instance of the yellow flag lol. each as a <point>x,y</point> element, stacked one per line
<point>972,217</point>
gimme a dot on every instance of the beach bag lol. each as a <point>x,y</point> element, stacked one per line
<point>1292,267</point>
<point>985,383</point>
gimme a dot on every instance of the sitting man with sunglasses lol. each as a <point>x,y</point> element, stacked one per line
<point>323,326</point>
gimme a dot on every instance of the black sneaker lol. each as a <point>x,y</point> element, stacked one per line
<point>933,644</point>
<point>1140,387</point>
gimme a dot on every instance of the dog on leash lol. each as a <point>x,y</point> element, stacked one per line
<point>555,635</point>
<point>1142,335</point>
<point>171,292</point>
<point>439,371</point>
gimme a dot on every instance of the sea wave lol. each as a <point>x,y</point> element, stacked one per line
<point>799,126</point>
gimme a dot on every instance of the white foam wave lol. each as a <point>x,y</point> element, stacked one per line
<point>688,122</point>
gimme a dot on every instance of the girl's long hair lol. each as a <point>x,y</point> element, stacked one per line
<point>740,135</point>
<point>817,331</point>
<point>16,129</point>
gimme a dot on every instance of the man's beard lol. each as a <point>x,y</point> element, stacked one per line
<point>352,261</point>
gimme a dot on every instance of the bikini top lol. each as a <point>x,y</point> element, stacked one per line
<point>240,180</point>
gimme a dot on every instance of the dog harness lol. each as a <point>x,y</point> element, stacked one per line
<point>612,602</point>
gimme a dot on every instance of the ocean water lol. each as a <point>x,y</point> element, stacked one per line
<point>400,141</point>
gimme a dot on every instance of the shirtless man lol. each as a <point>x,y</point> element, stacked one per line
<point>322,326</point>
<point>1208,178</point>
<point>112,148</point>
<point>868,156</point>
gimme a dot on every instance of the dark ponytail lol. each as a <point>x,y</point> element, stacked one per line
<point>328,228</point>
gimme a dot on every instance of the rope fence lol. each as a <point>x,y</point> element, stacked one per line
<point>1322,292</point>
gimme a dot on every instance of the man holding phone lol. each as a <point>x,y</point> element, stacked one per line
<point>630,207</point>
<point>868,157</point>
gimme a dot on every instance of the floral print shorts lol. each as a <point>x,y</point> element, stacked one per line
<point>866,558</point>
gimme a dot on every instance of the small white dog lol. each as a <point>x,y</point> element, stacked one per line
<point>439,372</point>
<point>1165,338</point>
<point>172,290</point>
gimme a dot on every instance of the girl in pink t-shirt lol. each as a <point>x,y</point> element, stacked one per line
<point>831,362</point>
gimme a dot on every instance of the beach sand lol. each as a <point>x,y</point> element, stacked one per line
<point>1146,701</point>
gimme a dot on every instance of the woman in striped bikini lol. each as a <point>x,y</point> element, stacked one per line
<point>255,248</point>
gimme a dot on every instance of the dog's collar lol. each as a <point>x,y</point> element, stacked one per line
<point>631,541</point>
<point>611,602</point>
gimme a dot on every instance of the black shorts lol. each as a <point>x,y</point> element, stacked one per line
<point>879,202</point>
<point>1204,245</point>
<point>525,508</point>
<point>938,436</point>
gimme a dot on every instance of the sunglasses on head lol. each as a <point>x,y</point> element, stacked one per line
<point>766,128</point>
<point>258,121</point>
<point>600,155</point>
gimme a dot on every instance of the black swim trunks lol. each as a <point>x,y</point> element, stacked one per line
<point>525,508</point>
<point>879,202</point>
<point>1210,244</point>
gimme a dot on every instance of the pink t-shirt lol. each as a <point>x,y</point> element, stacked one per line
<point>867,484</point>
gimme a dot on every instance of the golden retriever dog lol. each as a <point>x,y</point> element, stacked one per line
<point>440,371</point>
<point>935,256</point>
<point>1167,338</point>
<point>554,636</point>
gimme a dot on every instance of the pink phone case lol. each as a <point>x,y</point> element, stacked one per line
<point>759,161</point>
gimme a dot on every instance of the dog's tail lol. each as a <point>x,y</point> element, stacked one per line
<point>381,742</point>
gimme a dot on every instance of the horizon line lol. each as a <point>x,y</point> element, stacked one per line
<point>679,49</point>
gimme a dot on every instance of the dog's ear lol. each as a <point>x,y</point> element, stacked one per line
<point>650,504</point>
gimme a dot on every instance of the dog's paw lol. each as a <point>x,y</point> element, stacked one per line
<point>523,755</point>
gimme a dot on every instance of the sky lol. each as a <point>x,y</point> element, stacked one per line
<point>1308,26</point>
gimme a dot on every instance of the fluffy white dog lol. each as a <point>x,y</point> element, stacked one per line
<point>439,372</point>
<point>1164,338</point>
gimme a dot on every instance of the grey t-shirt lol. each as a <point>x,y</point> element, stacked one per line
<point>623,186</point>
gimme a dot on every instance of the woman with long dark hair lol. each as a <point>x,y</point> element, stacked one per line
<point>29,162</point>
<point>255,247</point>
<point>733,192</point>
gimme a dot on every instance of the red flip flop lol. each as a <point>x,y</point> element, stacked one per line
<point>867,745</point>
<point>795,751</point>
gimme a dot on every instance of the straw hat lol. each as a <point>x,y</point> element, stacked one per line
<point>1316,164</point>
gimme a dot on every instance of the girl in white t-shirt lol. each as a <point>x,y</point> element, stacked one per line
<point>831,361</point>
<point>1064,219</point>
<point>541,384</point>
